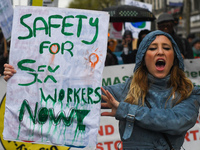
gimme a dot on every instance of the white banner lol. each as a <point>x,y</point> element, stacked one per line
<point>59,56</point>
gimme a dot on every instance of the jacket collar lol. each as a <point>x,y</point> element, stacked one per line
<point>158,83</point>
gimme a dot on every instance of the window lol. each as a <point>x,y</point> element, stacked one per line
<point>196,5</point>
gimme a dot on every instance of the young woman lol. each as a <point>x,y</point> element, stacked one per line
<point>159,104</point>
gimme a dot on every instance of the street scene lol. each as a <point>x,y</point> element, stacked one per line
<point>99,75</point>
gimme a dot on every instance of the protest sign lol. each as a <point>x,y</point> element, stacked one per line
<point>59,54</point>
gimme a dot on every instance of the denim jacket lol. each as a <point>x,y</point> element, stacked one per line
<point>141,128</point>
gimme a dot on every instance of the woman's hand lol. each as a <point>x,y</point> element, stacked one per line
<point>9,71</point>
<point>111,102</point>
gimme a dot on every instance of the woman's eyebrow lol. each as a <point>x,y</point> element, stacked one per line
<point>152,44</point>
<point>166,44</point>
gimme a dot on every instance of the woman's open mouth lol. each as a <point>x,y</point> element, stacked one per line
<point>160,64</point>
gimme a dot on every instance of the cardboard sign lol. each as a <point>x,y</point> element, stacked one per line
<point>59,54</point>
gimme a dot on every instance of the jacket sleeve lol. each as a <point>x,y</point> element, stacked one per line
<point>173,121</point>
<point>120,90</point>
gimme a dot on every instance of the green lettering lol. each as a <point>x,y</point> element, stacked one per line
<point>53,70</point>
<point>61,95</point>
<point>80,116</point>
<point>22,111</point>
<point>49,96</point>
<point>53,25</point>
<point>42,46</point>
<point>25,25</point>
<point>89,92</point>
<point>97,94</point>
<point>61,116</point>
<point>76,96</point>
<point>66,25</point>
<point>116,80</point>
<point>80,23</point>
<point>69,50</point>
<point>40,28</point>
<point>69,92</point>
<point>106,83</point>
<point>94,24</point>
<point>42,115</point>
<point>187,73</point>
<point>194,74</point>
<point>83,93</point>
<point>50,77</point>
<point>23,61</point>
<point>40,68</point>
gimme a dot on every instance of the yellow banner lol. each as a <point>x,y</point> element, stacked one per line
<point>37,2</point>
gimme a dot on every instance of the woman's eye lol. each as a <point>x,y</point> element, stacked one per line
<point>152,48</point>
<point>166,48</point>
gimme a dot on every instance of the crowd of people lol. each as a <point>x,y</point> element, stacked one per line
<point>189,47</point>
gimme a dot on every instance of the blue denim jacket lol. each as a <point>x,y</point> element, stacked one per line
<point>140,127</point>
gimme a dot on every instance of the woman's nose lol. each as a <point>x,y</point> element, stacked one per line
<point>160,51</point>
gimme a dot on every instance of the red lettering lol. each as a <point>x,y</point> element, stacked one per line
<point>194,134</point>
<point>99,146</point>
<point>108,143</point>
<point>109,132</point>
<point>187,137</point>
<point>100,131</point>
<point>118,145</point>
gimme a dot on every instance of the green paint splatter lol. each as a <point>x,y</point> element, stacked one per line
<point>19,128</point>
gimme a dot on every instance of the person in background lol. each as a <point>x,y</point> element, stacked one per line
<point>112,44</point>
<point>131,56</point>
<point>118,47</point>
<point>127,40</point>
<point>165,22</point>
<point>196,47</point>
<point>191,37</point>
<point>159,104</point>
<point>111,58</point>
<point>3,53</point>
<point>141,35</point>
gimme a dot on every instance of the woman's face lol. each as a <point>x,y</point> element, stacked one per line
<point>159,57</point>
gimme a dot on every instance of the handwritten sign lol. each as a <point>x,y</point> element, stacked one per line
<point>59,55</point>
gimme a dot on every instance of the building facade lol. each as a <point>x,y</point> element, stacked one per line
<point>186,13</point>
